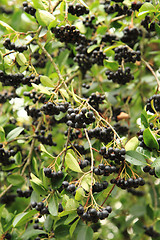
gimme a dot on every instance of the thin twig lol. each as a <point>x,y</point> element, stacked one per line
<point>31,149</point>
<point>6,190</point>
<point>69,130</point>
<point>92,159</point>
<point>154,74</point>
<point>56,5</point>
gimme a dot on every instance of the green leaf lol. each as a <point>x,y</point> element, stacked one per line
<point>5,25</point>
<point>73,94</point>
<point>146,8</point>
<point>91,48</point>
<point>85,233</point>
<point>62,58</point>
<point>145,152</point>
<point>64,93</point>
<point>14,133</point>
<point>157,27</point>
<point>144,119</point>
<point>53,206</point>
<point>150,139</point>
<point>2,134</point>
<point>111,65</point>
<point>21,59</point>
<point>52,24</point>
<point>86,182</point>
<point>48,223</point>
<point>61,231</point>
<point>135,158</point>
<point>132,144</point>
<point>44,18</point>
<point>79,194</point>
<point>71,205</point>
<point>73,227</point>
<point>42,89</point>
<point>22,218</point>
<point>37,184</point>
<point>38,4</point>
<point>72,163</point>
<point>46,81</point>
<point>156,163</point>
<point>44,150</point>
<point>29,233</point>
<point>150,212</point>
<point>70,218</point>
<point>83,3</point>
<point>15,179</point>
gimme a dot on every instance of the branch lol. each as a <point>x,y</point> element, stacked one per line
<point>69,130</point>
<point>31,149</point>
<point>92,158</point>
<point>6,190</point>
<point>152,71</point>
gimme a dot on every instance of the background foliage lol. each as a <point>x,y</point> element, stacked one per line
<point>46,62</point>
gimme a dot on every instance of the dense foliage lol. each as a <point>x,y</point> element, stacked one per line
<point>79,120</point>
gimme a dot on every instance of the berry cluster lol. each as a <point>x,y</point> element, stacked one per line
<point>52,174</point>
<point>84,85</point>
<point>115,154</point>
<point>40,207</point>
<point>73,135</point>
<point>84,163</point>
<point>8,198</point>
<point>77,118</point>
<point>51,108</point>
<point>120,76</point>
<point>92,215</point>
<point>147,24</point>
<point>123,53</point>
<point>26,193</point>
<point>45,140</point>
<point>110,38</point>
<point>11,46</point>
<point>122,130</point>
<point>121,10</point>
<point>95,100</point>
<point>11,79</point>
<point>79,149</point>
<point>98,187</point>
<point>136,6</point>
<point>85,60</point>
<point>88,22</point>
<point>8,236</point>
<point>41,60</point>
<point>136,192</point>
<point>151,171</point>
<point>5,156</point>
<point>70,188</point>
<point>77,10</point>
<point>103,134</point>
<point>6,96</point>
<point>33,112</point>
<point>130,35</point>
<point>105,170</point>
<point>6,11</point>
<point>129,183</point>
<point>151,232</point>
<point>18,78</point>
<point>68,34</point>
<point>29,9</point>
<point>36,97</point>
<point>156,103</point>
<point>142,144</point>
<point>28,80</point>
